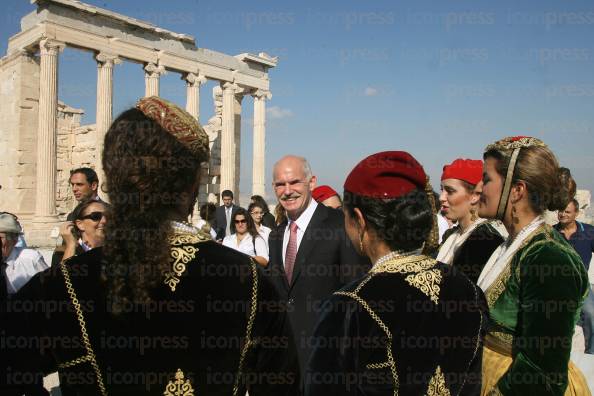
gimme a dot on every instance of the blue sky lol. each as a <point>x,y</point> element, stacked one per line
<point>440,79</point>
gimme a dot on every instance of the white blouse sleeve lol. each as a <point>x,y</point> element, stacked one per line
<point>261,247</point>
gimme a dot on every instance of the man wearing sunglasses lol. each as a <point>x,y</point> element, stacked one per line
<point>21,263</point>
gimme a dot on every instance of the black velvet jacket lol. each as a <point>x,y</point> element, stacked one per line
<point>213,326</point>
<point>474,253</point>
<point>412,326</point>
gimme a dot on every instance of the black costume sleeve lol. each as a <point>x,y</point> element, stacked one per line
<point>272,367</point>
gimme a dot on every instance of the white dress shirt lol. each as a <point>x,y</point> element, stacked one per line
<point>247,246</point>
<point>22,265</point>
<point>302,223</point>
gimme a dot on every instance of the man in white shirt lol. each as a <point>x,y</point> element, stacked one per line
<point>310,255</point>
<point>21,263</point>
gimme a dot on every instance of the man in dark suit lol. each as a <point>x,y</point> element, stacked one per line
<point>310,255</point>
<point>224,215</point>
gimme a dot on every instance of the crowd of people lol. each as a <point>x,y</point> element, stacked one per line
<point>364,294</point>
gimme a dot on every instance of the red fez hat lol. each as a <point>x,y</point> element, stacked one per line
<point>389,174</point>
<point>322,193</point>
<point>469,170</point>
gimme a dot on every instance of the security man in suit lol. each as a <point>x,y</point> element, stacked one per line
<point>310,255</point>
<point>224,215</point>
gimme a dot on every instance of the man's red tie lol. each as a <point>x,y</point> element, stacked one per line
<point>291,251</point>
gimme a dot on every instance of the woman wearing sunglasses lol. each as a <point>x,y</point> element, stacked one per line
<point>86,231</point>
<point>245,237</point>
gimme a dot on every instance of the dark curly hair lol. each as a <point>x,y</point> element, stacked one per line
<point>403,223</point>
<point>149,174</point>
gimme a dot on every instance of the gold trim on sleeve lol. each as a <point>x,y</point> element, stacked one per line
<point>90,355</point>
<point>437,385</point>
<point>248,333</point>
<point>390,358</point>
<point>181,386</point>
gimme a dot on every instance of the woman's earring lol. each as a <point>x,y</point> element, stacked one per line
<point>515,218</point>
<point>361,243</point>
<point>473,215</point>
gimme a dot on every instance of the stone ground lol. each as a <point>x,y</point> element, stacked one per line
<point>583,361</point>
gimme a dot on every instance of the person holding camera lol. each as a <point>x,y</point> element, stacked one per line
<point>84,232</point>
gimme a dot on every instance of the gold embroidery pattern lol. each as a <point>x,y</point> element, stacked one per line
<point>248,333</point>
<point>427,282</point>
<point>181,254</point>
<point>405,264</point>
<point>181,386</point>
<point>494,291</point>
<point>437,385</point>
<point>390,358</point>
<point>90,356</point>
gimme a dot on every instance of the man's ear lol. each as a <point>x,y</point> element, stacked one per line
<point>94,186</point>
<point>313,182</point>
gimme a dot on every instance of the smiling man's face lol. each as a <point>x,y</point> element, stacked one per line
<point>292,186</point>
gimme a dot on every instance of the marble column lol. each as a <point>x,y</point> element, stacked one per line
<point>193,83</point>
<point>152,72</point>
<point>228,138</point>
<point>104,113</point>
<point>259,149</point>
<point>45,199</point>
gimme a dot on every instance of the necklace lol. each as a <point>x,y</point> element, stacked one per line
<point>395,254</point>
<point>184,228</point>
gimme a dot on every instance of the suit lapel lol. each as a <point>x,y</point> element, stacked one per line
<point>309,240</point>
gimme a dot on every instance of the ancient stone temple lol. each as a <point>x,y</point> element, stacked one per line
<point>41,138</point>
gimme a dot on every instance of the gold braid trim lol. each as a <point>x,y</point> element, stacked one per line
<point>90,356</point>
<point>248,333</point>
<point>390,358</point>
<point>432,242</point>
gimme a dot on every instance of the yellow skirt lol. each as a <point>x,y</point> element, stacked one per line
<point>495,365</point>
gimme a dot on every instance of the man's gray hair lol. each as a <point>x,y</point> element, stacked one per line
<point>306,167</point>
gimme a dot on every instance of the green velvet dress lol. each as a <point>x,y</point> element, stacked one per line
<point>534,305</point>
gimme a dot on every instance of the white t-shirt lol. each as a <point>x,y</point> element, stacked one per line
<point>247,246</point>
<point>22,265</point>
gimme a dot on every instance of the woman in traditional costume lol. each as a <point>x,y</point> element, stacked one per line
<point>471,242</point>
<point>411,325</point>
<point>161,309</point>
<point>535,282</point>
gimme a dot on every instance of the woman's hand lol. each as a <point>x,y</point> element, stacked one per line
<point>67,234</point>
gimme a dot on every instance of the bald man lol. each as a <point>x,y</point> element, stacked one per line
<point>310,255</point>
